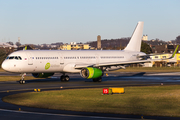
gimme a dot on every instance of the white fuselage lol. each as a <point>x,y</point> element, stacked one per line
<point>55,61</point>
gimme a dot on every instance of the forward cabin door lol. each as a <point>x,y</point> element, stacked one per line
<point>30,58</point>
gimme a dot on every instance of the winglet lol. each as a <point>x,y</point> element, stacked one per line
<point>25,48</point>
<point>174,52</point>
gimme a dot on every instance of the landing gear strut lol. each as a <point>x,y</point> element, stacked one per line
<point>99,79</point>
<point>64,78</point>
<point>22,81</point>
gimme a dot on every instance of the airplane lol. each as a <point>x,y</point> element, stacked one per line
<point>91,64</point>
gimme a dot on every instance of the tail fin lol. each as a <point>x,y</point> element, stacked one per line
<point>135,41</point>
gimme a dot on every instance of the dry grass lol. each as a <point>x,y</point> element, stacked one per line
<point>1,70</point>
<point>151,100</point>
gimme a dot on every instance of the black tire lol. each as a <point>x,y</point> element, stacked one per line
<point>62,78</point>
<point>95,80</point>
<point>66,78</point>
<point>23,82</point>
<point>20,81</point>
<point>99,79</point>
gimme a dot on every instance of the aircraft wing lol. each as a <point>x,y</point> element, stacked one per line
<point>118,63</point>
<point>121,63</point>
<point>79,66</point>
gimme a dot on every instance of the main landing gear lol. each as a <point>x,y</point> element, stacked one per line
<point>99,79</point>
<point>64,78</point>
<point>22,81</point>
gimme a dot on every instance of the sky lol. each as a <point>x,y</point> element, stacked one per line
<point>51,21</point>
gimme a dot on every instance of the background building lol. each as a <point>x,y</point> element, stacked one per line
<point>74,46</point>
<point>145,37</point>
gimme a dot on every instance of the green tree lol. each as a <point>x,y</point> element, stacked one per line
<point>3,55</point>
<point>145,48</point>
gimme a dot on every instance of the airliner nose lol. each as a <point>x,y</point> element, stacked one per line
<point>4,65</point>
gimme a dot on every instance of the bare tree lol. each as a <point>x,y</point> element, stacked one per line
<point>18,44</point>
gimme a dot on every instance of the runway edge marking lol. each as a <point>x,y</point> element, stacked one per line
<point>27,112</point>
<point>58,88</point>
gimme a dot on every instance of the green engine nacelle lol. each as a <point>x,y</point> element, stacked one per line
<point>42,75</point>
<point>91,73</point>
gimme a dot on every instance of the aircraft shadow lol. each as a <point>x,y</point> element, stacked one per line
<point>73,79</point>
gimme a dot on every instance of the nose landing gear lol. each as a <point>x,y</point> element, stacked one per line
<point>22,81</point>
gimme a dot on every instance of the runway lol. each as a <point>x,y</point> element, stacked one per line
<point>9,111</point>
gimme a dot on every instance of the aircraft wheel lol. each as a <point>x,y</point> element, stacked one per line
<point>62,78</point>
<point>66,78</point>
<point>97,79</point>
<point>22,81</point>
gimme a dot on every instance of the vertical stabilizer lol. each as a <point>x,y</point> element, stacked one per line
<point>135,41</point>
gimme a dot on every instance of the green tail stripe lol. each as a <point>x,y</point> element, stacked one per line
<point>25,48</point>
<point>175,51</point>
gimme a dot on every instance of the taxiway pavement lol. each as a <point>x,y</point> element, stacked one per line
<point>9,111</point>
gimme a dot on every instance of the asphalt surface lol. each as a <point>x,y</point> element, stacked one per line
<point>9,111</point>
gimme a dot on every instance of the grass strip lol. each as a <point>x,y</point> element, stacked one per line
<point>1,70</point>
<point>148,100</point>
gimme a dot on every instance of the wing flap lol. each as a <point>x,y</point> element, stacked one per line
<point>121,63</point>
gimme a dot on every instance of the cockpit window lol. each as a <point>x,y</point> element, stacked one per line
<point>19,58</point>
<point>14,57</point>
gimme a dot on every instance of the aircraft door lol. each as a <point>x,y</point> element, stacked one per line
<point>61,59</point>
<point>30,58</point>
<point>97,59</point>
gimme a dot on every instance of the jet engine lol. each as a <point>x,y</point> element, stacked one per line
<point>42,75</point>
<point>91,73</point>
